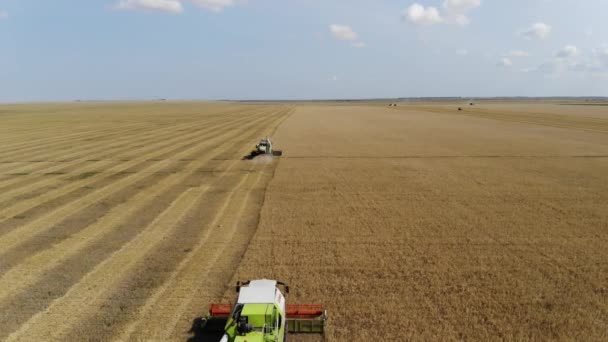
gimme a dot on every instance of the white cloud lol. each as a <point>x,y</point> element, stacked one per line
<point>454,12</point>
<point>537,31</point>
<point>567,51</point>
<point>359,45</point>
<point>457,10</point>
<point>214,5</point>
<point>343,32</point>
<point>461,5</point>
<point>518,53</point>
<point>505,62</point>
<point>172,6</point>
<point>3,14</point>
<point>419,15</point>
<point>462,52</point>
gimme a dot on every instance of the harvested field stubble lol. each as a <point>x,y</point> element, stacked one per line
<point>426,223</point>
<point>125,221</point>
<point>93,256</point>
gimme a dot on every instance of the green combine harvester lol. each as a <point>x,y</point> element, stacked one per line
<point>261,315</point>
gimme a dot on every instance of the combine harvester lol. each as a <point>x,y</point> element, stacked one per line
<point>264,148</point>
<point>261,315</point>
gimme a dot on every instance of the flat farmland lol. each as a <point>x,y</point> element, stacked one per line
<point>422,222</point>
<point>124,221</point>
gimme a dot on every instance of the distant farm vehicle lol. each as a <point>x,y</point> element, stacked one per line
<point>264,147</point>
<point>261,314</point>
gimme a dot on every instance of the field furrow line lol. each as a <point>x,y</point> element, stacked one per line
<point>85,294</point>
<point>18,235</point>
<point>30,269</point>
<point>166,307</point>
<point>146,153</point>
<point>166,139</point>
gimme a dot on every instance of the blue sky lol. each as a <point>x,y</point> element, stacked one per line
<point>301,49</point>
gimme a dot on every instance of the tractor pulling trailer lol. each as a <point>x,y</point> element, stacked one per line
<point>261,314</point>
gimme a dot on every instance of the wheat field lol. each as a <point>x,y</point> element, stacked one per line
<point>124,221</point>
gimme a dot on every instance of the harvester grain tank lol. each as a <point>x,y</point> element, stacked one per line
<point>261,314</point>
